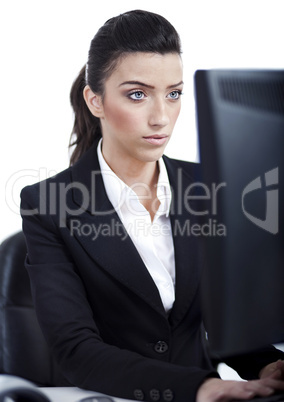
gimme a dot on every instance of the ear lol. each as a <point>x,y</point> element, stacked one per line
<point>94,102</point>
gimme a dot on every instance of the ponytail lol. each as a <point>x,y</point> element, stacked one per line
<point>86,126</point>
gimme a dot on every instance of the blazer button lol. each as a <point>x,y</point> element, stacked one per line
<point>168,395</point>
<point>161,347</point>
<point>155,395</point>
<point>139,394</point>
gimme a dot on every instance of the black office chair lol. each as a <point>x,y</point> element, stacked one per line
<point>23,350</point>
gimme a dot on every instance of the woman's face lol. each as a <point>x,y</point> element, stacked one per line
<point>140,106</point>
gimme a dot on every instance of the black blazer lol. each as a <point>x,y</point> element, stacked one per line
<point>97,305</point>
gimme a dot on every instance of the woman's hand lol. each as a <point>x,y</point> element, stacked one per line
<point>273,370</point>
<point>216,390</point>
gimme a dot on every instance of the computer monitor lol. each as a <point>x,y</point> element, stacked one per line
<point>240,119</point>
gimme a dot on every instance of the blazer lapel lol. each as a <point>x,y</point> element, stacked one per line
<point>187,245</point>
<point>107,241</point>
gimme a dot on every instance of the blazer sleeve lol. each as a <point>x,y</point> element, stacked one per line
<point>67,322</point>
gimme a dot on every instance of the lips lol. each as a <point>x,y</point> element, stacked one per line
<point>156,139</point>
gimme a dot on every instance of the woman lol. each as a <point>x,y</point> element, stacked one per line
<point>114,275</point>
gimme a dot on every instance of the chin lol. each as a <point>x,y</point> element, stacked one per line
<point>152,156</point>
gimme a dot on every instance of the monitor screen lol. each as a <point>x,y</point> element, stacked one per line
<point>240,119</point>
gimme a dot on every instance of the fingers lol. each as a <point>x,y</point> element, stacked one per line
<point>251,389</point>
<point>216,390</point>
<point>271,368</point>
<point>274,370</point>
<point>273,383</point>
<point>276,374</point>
<point>280,366</point>
<point>260,388</point>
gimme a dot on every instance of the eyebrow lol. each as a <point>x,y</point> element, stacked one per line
<point>142,84</point>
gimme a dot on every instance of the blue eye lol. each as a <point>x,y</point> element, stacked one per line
<point>137,95</point>
<point>175,94</point>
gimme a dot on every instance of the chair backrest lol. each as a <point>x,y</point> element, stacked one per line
<point>23,350</point>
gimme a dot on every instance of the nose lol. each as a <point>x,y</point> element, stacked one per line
<point>159,113</point>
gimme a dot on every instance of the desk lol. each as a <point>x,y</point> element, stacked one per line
<point>71,394</point>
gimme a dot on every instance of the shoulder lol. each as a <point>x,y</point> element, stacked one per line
<point>80,172</point>
<point>45,186</point>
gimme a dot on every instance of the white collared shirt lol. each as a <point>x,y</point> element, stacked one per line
<point>153,240</point>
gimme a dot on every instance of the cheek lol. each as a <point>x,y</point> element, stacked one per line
<point>123,118</point>
<point>175,114</point>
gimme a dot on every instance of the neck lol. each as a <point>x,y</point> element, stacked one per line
<point>141,176</point>
<point>132,172</point>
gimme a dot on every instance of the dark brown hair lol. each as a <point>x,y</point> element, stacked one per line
<point>134,31</point>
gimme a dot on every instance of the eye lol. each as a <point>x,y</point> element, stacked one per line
<point>136,95</point>
<point>175,94</point>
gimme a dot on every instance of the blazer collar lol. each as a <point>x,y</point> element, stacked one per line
<point>188,256</point>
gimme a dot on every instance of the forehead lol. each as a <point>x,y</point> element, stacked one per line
<point>151,68</point>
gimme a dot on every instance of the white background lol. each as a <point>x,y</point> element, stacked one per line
<point>45,44</point>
